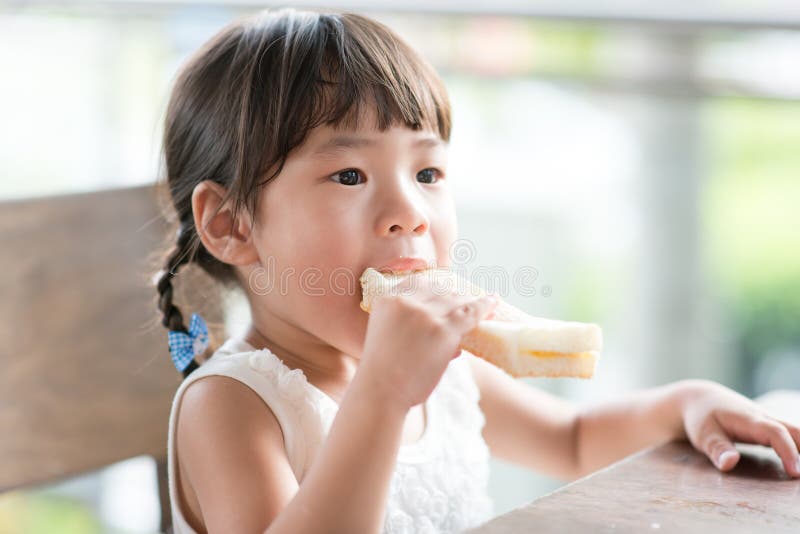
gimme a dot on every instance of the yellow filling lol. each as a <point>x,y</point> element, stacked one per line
<point>546,354</point>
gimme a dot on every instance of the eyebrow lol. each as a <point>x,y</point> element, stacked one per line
<point>341,142</point>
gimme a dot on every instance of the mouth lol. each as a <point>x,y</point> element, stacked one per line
<point>404,265</point>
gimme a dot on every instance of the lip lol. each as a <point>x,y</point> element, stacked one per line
<point>404,264</point>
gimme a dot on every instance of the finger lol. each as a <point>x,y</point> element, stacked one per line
<point>778,437</point>
<point>718,447</point>
<point>768,432</point>
<point>466,316</point>
<point>794,431</point>
<point>442,305</point>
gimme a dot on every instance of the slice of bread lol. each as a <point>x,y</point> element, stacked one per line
<point>518,343</point>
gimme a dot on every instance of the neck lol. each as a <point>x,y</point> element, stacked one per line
<point>299,349</point>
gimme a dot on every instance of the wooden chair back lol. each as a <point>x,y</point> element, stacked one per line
<point>85,374</point>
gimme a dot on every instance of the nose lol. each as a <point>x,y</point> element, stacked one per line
<point>404,212</point>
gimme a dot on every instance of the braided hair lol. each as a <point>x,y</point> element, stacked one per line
<point>181,254</point>
<point>254,91</point>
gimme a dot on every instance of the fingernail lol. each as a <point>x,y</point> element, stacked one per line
<point>724,456</point>
<point>797,465</point>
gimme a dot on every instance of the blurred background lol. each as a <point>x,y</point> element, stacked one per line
<point>641,161</point>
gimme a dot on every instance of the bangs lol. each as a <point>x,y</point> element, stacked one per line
<point>333,68</point>
<point>365,66</point>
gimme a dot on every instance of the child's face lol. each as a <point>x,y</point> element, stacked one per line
<point>344,201</point>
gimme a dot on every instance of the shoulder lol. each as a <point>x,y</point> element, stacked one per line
<point>222,401</point>
<point>230,445</point>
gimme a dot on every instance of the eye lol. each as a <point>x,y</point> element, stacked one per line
<point>347,177</point>
<point>429,175</point>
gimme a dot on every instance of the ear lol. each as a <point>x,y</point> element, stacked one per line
<point>228,240</point>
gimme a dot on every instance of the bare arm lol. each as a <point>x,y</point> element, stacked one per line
<point>524,425</point>
<point>232,449</point>
<point>614,429</point>
<point>548,434</point>
<point>347,487</point>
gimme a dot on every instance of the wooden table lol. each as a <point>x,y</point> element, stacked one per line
<point>672,488</point>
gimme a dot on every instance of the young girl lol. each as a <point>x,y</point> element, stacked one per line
<point>300,149</point>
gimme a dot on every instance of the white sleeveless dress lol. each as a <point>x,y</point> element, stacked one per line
<point>439,484</point>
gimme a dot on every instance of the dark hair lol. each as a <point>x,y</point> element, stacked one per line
<point>253,92</point>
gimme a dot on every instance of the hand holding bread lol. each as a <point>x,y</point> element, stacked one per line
<point>518,343</point>
<point>411,339</point>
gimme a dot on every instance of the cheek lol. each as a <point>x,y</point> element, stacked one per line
<point>319,299</point>
<point>315,265</point>
<point>317,290</point>
<point>325,247</point>
<point>304,246</point>
<point>313,232</point>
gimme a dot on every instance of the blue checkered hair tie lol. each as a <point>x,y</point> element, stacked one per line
<point>184,347</point>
